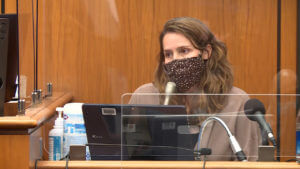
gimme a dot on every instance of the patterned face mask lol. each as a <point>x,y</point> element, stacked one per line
<point>185,73</point>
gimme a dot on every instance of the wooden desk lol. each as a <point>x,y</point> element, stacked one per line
<point>165,165</point>
<point>20,136</point>
<point>20,146</point>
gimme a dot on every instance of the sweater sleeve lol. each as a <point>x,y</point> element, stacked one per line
<point>145,94</point>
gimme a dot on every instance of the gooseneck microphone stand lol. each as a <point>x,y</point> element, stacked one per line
<point>234,143</point>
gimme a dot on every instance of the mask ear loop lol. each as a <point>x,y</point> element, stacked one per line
<point>200,55</point>
<point>205,61</point>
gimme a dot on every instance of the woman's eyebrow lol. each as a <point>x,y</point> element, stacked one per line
<point>167,50</point>
<point>188,46</point>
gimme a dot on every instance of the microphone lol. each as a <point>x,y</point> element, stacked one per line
<point>235,146</point>
<point>255,111</point>
<point>170,88</point>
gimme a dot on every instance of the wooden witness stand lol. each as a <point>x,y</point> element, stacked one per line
<point>165,165</point>
<point>22,138</point>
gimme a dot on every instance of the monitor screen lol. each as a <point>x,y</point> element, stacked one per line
<point>138,132</point>
<point>9,58</point>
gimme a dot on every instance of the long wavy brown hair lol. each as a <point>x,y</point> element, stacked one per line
<point>218,76</point>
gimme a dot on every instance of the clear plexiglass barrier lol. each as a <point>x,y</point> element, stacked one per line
<point>196,127</point>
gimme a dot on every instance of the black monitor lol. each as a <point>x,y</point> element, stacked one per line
<point>9,58</point>
<point>138,132</point>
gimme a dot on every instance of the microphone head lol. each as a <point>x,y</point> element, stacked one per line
<point>170,87</point>
<point>252,106</point>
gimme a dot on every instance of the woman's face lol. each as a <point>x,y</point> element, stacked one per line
<point>177,46</point>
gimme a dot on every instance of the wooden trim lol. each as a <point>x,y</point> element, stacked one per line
<point>35,115</point>
<point>163,164</point>
<point>48,106</point>
<point>17,122</point>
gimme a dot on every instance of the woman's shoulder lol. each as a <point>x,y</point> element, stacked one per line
<point>147,88</point>
<point>139,98</point>
<point>237,91</point>
<point>237,97</point>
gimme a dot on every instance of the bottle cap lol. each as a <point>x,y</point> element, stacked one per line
<point>59,109</point>
<point>59,121</point>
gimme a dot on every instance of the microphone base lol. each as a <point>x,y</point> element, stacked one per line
<point>241,156</point>
<point>77,152</point>
<point>202,151</point>
<point>266,153</point>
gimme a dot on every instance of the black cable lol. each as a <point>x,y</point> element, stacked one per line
<point>145,145</point>
<point>35,163</point>
<point>202,152</point>
<point>204,161</point>
<point>36,43</point>
<point>33,38</point>
<point>3,6</point>
<point>293,159</point>
<point>18,52</point>
<point>67,160</point>
<point>278,77</point>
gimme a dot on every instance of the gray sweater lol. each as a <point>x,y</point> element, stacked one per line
<point>215,137</point>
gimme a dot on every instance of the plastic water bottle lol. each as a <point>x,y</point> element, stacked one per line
<point>74,128</point>
<point>56,137</point>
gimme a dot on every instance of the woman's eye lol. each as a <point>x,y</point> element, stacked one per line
<point>184,51</point>
<point>168,55</point>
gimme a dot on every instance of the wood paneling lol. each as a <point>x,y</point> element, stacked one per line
<point>14,151</point>
<point>288,78</point>
<point>102,49</point>
<point>26,67</point>
<point>96,49</point>
<point>10,6</point>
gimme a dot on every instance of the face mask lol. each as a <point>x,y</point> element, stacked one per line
<point>185,73</point>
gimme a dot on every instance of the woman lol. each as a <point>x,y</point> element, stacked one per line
<point>192,58</point>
